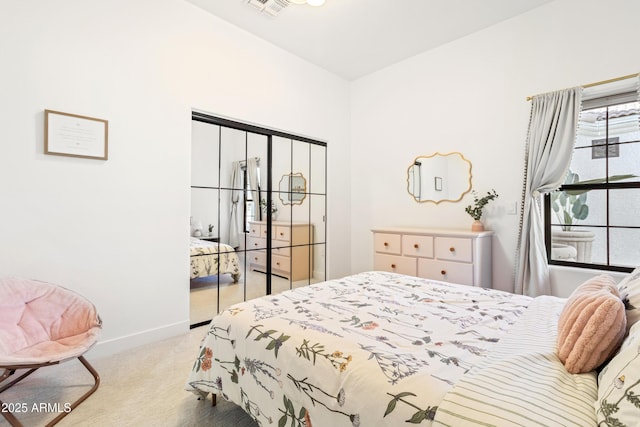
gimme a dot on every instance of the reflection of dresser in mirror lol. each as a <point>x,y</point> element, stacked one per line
<point>292,250</point>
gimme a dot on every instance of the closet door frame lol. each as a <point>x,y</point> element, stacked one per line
<point>269,133</point>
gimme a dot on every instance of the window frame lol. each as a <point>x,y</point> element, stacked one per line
<point>607,186</point>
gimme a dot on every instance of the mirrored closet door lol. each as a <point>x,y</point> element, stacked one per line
<point>258,213</point>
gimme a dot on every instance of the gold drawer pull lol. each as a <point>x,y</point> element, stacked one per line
<point>443,272</point>
<point>452,249</point>
<point>393,266</point>
<point>282,234</point>
<point>256,259</point>
<point>385,244</point>
<point>415,245</point>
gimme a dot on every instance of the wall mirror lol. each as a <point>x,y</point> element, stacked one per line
<point>439,178</point>
<point>293,189</point>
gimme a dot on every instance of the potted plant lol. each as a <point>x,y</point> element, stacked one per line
<point>476,209</point>
<point>570,206</point>
<point>210,229</point>
<point>263,206</point>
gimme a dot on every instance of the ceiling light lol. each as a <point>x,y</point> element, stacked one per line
<point>315,2</point>
<point>298,1</point>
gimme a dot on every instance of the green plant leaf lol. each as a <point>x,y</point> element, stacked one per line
<point>390,407</point>
<point>418,417</point>
<point>580,212</point>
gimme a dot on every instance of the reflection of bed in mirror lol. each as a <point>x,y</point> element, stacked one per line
<point>213,258</point>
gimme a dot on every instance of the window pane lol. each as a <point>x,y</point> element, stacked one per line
<point>623,122</point>
<point>583,245</point>
<point>624,205</point>
<point>591,126</point>
<point>628,162</point>
<point>625,251</point>
<point>587,208</point>
<point>586,167</point>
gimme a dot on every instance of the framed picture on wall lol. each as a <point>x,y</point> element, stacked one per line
<point>438,183</point>
<point>73,135</point>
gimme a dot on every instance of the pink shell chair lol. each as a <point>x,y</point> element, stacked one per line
<point>42,324</point>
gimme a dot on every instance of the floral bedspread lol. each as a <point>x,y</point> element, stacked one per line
<point>372,349</point>
<point>210,258</point>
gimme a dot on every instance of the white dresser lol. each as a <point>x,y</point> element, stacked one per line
<point>455,256</point>
<point>291,248</point>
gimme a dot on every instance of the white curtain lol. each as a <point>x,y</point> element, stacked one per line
<point>550,140</point>
<point>235,227</point>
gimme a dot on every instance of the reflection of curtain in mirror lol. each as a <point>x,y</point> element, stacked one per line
<point>236,192</point>
<point>417,178</point>
<point>253,179</point>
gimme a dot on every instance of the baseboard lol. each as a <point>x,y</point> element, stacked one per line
<point>116,345</point>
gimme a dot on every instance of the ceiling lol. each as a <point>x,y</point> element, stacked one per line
<point>353,38</point>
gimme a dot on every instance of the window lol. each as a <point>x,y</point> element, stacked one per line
<point>593,220</point>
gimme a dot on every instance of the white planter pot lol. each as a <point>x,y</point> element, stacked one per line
<point>582,241</point>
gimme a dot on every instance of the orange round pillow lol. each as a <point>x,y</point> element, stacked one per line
<point>592,325</point>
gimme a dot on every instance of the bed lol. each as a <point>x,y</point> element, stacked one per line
<point>382,349</point>
<point>213,258</point>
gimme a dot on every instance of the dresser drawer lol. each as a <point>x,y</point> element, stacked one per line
<point>447,271</point>
<point>282,251</point>
<point>395,264</point>
<point>254,229</point>
<point>256,243</point>
<point>257,259</point>
<point>419,246</point>
<point>454,249</point>
<point>281,263</point>
<point>282,234</point>
<point>387,243</point>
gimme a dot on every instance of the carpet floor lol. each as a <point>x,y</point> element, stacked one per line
<point>140,387</point>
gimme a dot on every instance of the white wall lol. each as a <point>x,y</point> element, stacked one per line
<point>117,230</point>
<point>469,96</point>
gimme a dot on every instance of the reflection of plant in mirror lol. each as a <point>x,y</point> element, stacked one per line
<point>263,206</point>
<point>210,228</point>
<point>571,206</point>
<point>479,203</point>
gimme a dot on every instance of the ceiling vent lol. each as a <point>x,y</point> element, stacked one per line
<point>270,7</point>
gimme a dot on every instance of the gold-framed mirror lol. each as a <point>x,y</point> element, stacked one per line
<point>293,189</point>
<point>439,178</point>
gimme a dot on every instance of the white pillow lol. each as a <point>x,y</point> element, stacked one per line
<point>618,401</point>
<point>629,289</point>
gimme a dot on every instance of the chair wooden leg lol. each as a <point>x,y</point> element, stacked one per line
<point>213,399</point>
